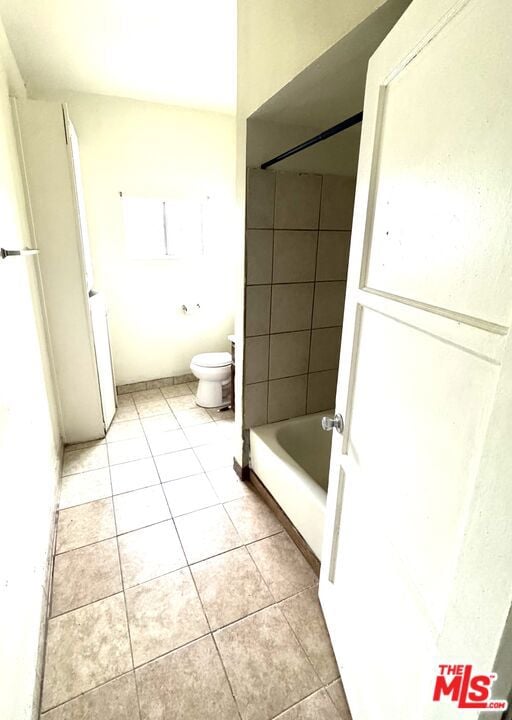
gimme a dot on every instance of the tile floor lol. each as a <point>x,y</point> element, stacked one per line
<point>176,592</point>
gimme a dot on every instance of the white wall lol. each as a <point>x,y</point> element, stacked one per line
<point>29,443</point>
<point>155,150</point>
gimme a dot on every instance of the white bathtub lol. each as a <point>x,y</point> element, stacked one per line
<point>291,458</point>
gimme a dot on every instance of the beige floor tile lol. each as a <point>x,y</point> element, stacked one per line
<point>85,524</point>
<point>139,508</point>
<point>188,418</point>
<point>116,700</point>
<point>85,575</point>
<point>160,423</point>
<point>230,587</point>
<point>163,614</point>
<point>167,441</point>
<point>152,407</point>
<point>316,707</point>
<point>85,647</point>
<point>126,450</point>
<point>193,387</point>
<point>90,458</point>
<point>284,569</point>
<point>216,455</point>
<point>83,445</point>
<point>126,412</point>
<point>204,434</point>
<point>183,402</point>
<point>85,487</point>
<point>227,428</point>
<point>266,666</point>
<point>206,533</point>
<point>337,695</point>
<point>142,397</point>
<point>125,400</point>
<point>133,475</point>
<point>150,552</point>
<point>125,430</point>
<point>176,390</point>
<point>227,484</point>
<point>217,414</point>
<point>198,691</point>
<point>305,616</point>
<point>177,465</point>
<point>252,518</point>
<point>189,494</point>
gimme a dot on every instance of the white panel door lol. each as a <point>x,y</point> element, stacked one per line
<point>417,557</point>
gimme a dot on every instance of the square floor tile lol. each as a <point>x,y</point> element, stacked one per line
<point>116,700</point>
<point>184,402</point>
<point>214,456</point>
<point>227,484</point>
<point>125,430</point>
<point>126,450</point>
<point>188,418</point>
<point>337,695</point>
<point>305,616</point>
<point>85,524</point>
<point>163,614</point>
<point>85,487</point>
<point>204,434</point>
<point>266,666</point>
<point>125,400</point>
<point>230,587</point>
<point>84,575</point>
<point>90,458</point>
<point>252,518</point>
<point>177,465</point>
<point>218,414</point>
<point>189,494</point>
<point>126,412</point>
<point>139,508</point>
<point>142,397</point>
<point>318,706</point>
<point>199,689</point>
<point>173,391</point>
<point>167,441</point>
<point>150,552</point>
<point>133,475</point>
<point>206,533</point>
<point>85,647</point>
<point>283,567</point>
<point>152,407</point>
<point>159,423</point>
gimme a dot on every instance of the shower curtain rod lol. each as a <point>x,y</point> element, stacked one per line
<point>334,130</point>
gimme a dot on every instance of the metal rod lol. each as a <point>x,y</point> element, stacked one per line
<point>334,130</point>
<point>13,253</point>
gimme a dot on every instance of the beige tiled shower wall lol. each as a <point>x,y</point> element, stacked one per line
<point>297,244</point>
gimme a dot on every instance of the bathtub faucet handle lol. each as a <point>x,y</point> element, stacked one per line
<point>335,423</point>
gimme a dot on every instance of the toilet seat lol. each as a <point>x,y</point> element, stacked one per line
<point>212,359</point>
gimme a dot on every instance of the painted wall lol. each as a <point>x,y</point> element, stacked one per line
<point>29,439</point>
<point>155,150</point>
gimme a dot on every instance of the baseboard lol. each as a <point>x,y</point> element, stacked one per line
<point>285,521</point>
<point>157,383</point>
<point>242,472</point>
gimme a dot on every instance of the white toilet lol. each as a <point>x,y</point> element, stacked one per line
<point>213,370</point>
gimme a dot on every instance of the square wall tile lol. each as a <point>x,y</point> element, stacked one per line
<point>297,201</point>
<point>291,307</point>
<point>255,404</point>
<point>337,205</point>
<point>289,354</point>
<point>322,390</point>
<point>294,255</point>
<point>329,304</point>
<point>333,252</point>
<point>260,198</point>
<point>325,349</point>
<point>258,256</point>
<point>257,310</point>
<point>287,398</point>
<point>256,359</point>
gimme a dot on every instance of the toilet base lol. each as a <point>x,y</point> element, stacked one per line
<point>210,394</point>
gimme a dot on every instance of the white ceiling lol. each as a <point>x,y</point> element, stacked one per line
<point>181,52</point>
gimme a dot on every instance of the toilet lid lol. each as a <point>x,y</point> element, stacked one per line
<point>212,360</point>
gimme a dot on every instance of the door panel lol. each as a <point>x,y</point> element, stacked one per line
<point>417,558</point>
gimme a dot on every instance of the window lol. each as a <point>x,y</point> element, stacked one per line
<point>156,229</point>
